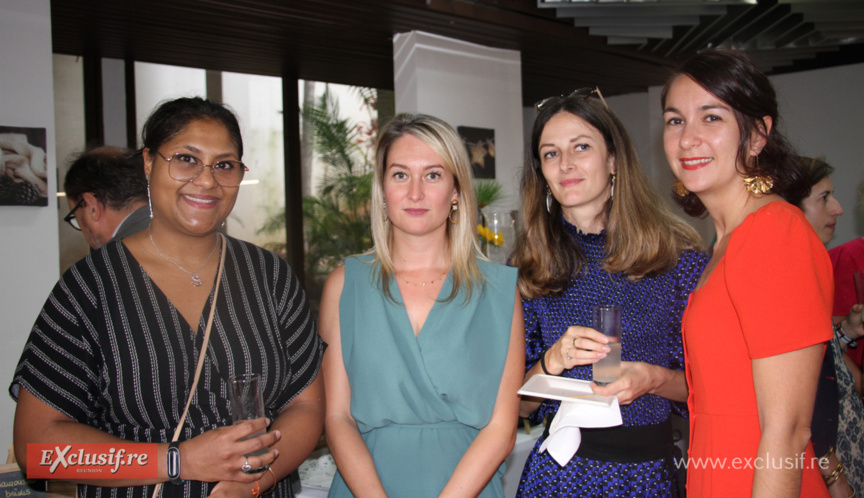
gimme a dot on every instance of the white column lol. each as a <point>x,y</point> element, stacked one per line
<point>466,85</point>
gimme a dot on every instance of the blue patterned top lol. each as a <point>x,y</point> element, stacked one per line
<point>651,320</point>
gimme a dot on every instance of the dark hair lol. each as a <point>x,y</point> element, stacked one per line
<point>734,78</point>
<point>113,175</point>
<point>816,170</point>
<point>643,236</point>
<point>172,116</point>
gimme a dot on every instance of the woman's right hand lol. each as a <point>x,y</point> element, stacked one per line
<point>218,454</point>
<point>577,346</point>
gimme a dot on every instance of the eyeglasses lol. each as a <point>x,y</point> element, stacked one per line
<point>584,93</point>
<point>185,167</point>
<point>71,219</point>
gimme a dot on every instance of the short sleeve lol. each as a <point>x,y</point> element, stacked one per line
<point>58,363</point>
<point>300,337</point>
<point>780,282</point>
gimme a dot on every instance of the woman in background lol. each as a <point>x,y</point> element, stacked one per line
<point>755,327</point>
<point>847,258</point>
<point>838,422</point>
<point>425,336</point>
<point>594,232</point>
<point>113,356</point>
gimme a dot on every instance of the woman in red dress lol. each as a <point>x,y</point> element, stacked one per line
<point>755,327</point>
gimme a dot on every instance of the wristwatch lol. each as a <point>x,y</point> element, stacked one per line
<point>841,334</point>
<point>174,463</point>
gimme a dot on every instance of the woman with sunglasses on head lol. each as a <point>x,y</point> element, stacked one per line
<point>756,326</point>
<point>594,232</point>
<point>170,314</point>
<point>425,337</point>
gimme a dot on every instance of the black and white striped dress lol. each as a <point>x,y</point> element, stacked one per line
<point>109,350</point>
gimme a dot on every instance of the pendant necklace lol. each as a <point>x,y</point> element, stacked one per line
<point>423,284</point>
<point>196,280</point>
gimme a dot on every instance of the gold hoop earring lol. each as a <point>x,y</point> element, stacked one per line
<point>680,189</point>
<point>549,199</point>
<point>453,208</point>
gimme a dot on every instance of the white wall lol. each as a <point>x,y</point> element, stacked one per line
<point>28,235</point>
<point>69,139</point>
<point>466,85</point>
<point>156,83</point>
<point>823,114</point>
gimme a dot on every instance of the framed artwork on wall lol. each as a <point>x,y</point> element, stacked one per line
<point>480,143</point>
<point>23,166</point>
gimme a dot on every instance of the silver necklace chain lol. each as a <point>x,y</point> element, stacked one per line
<point>196,280</point>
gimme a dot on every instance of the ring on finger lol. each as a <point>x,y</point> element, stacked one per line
<point>574,342</point>
<point>246,467</point>
<point>567,355</point>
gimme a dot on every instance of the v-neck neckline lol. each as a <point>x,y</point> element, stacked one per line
<point>404,310</point>
<point>204,312</point>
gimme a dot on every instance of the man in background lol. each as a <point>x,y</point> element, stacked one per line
<point>107,195</point>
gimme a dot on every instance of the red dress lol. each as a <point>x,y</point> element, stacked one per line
<point>770,293</point>
<point>847,258</point>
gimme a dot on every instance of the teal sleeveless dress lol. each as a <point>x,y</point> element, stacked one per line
<point>420,401</point>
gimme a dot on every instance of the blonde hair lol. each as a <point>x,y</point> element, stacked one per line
<point>461,238</point>
<point>642,235</point>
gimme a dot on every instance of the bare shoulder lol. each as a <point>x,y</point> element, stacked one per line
<point>335,281</point>
<point>328,316</point>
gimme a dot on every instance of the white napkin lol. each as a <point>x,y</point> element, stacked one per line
<point>564,435</point>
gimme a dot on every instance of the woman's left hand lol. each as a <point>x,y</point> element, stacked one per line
<point>234,489</point>
<point>635,380</point>
<point>638,378</point>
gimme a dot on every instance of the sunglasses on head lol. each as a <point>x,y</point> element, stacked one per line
<point>580,93</point>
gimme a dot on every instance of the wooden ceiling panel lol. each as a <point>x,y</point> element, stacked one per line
<point>351,42</point>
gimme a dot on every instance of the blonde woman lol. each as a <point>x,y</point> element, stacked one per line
<point>425,336</point>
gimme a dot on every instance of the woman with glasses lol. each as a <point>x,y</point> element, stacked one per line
<point>114,355</point>
<point>425,337</point>
<point>756,325</point>
<point>595,233</point>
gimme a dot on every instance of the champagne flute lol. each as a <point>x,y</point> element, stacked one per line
<point>247,403</point>
<point>607,321</point>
